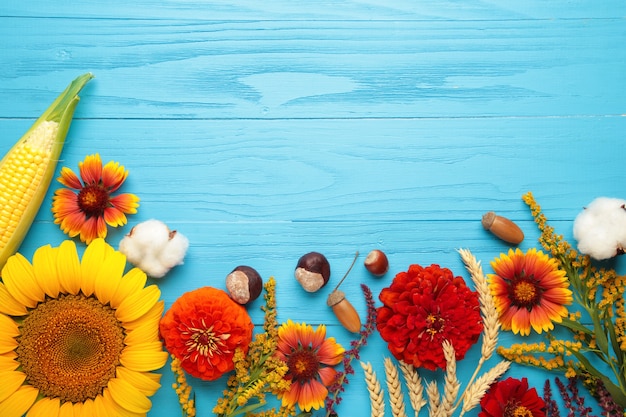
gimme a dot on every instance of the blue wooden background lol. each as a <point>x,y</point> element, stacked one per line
<point>266,129</point>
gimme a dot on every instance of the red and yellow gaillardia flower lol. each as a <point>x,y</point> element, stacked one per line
<point>511,397</point>
<point>529,290</point>
<point>88,205</point>
<point>423,307</point>
<point>310,357</point>
<point>203,328</point>
<point>78,337</point>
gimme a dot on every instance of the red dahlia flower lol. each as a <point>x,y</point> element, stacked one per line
<point>512,398</point>
<point>422,308</point>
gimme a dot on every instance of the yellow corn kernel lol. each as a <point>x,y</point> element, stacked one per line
<point>27,169</point>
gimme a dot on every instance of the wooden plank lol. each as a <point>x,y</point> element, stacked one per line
<point>319,10</point>
<point>318,69</point>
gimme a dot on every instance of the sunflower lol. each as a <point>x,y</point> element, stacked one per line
<point>310,357</point>
<point>78,337</point>
<point>203,328</point>
<point>512,398</point>
<point>529,290</point>
<point>422,308</point>
<point>87,206</point>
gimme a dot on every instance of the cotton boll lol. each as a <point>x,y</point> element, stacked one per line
<point>600,228</point>
<point>174,252</point>
<point>152,247</point>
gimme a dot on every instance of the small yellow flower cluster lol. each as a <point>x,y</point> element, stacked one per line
<point>183,389</point>
<point>532,354</point>
<point>600,331</point>
<point>259,371</point>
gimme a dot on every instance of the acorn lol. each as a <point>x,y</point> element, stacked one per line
<point>503,228</point>
<point>312,271</point>
<point>244,284</point>
<point>343,310</point>
<point>376,263</point>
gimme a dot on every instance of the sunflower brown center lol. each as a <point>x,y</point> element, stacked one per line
<point>93,199</point>
<point>525,293</point>
<point>69,347</point>
<point>303,365</point>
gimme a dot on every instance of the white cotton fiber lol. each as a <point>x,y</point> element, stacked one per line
<point>600,228</point>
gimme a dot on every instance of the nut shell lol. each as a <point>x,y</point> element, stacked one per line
<point>344,311</point>
<point>312,271</point>
<point>244,284</point>
<point>376,263</point>
<point>502,228</point>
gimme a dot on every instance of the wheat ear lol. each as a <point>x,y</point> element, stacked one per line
<point>491,324</point>
<point>451,382</point>
<point>396,398</point>
<point>434,402</point>
<point>414,386</point>
<point>377,395</point>
<point>475,392</point>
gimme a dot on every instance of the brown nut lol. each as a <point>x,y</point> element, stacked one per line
<point>345,312</point>
<point>244,284</point>
<point>377,263</point>
<point>312,271</point>
<point>503,228</point>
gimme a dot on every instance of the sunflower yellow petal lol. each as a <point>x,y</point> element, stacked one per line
<point>138,304</point>
<point>114,409</point>
<point>45,407</point>
<point>19,277</point>
<point>91,263</point>
<point>132,282</point>
<point>146,383</point>
<point>128,397</point>
<point>19,402</point>
<point>67,409</point>
<point>8,363</point>
<point>9,305</point>
<point>87,409</point>
<point>109,276</point>
<point>144,357</point>
<point>146,328</point>
<point>44,267</point>
<point>11,381</point>
<point>8,332</point>
<point>68,268</point>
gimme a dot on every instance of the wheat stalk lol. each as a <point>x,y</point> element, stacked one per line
<point>451,382</point>
<point>491,324</point>
<point>377,395</point>
<point>434,402</point>
<point>475,392</point>
<point>414,386</point>
<point>396,398</point>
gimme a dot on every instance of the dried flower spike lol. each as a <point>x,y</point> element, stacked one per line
<point>345,312</point>
<point>503,228</point>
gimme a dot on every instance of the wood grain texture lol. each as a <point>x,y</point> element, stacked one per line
<point>264,130</point>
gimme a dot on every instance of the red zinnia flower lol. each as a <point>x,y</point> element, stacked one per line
<point>86,207</point>
<point>512,398</point>
<point>422,308</point>
<point>203,328</point>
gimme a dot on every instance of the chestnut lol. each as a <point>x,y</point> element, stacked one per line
<point>377,263</point>
<point>312,271</point>
<point>244,284</point>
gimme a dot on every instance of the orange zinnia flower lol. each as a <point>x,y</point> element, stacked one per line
<point>310,357</point>
<point>529,290</point>
<point>203,328</point>
<point>87,206</point>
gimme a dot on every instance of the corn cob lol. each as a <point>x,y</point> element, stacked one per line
<point>27,169</point>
